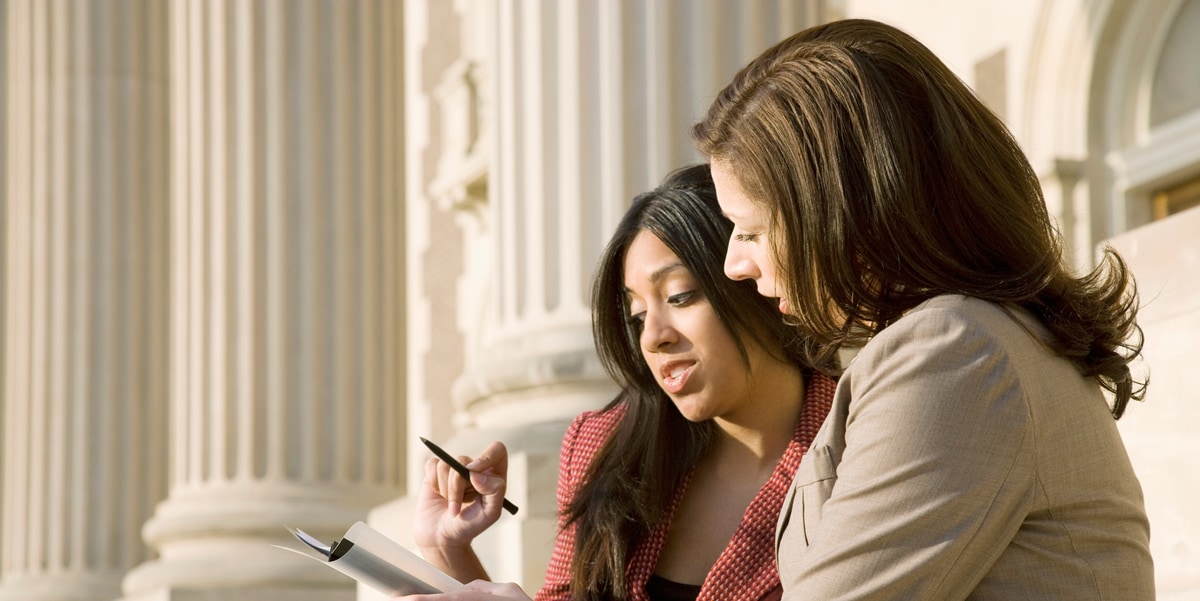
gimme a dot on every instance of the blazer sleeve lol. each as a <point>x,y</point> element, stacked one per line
<point>934,479</point>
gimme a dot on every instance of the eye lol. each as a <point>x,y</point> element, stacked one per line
<point>682,299</point>
<point>634,307</point>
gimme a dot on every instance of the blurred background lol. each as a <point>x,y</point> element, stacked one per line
<point>253,249</point>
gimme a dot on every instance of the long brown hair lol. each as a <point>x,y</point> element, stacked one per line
<point>632,481</point>
<point>889,183</point>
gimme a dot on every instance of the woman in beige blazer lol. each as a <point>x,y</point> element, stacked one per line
<point>970,452</point>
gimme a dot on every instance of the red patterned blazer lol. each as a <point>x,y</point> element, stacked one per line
<point>746,569</point>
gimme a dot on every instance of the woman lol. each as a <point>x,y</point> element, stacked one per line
<point>970,452</point>
<point>672,490</point>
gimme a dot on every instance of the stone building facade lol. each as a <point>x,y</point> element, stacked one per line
<point>253,250</point>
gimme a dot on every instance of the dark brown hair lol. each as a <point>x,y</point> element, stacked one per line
<point>889,183</point>
<point>631,482</point>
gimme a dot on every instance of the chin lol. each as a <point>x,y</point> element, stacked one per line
<point>689,410</point>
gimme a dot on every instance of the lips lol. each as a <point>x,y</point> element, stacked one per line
<point>675,375</point>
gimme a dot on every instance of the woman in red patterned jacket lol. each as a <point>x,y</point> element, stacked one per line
<point>671,491</point>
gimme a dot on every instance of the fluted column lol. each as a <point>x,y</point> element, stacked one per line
<point>3,251</point>
<point>591,103</point>
<point>86,279</point>
<point>286,327</point>
<point>555,115</point>
<point>1065,188</point>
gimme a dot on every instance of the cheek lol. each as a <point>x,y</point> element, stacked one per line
<point>765,262</point>
<point>647,357</point>
<point>720,343</point>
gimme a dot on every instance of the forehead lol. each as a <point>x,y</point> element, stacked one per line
<point>735,203</point>
<point>647,258</point>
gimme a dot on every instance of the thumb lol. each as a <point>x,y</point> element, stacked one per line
<point>487,484</point>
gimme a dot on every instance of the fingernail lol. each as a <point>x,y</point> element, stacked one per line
<point>454,508</point>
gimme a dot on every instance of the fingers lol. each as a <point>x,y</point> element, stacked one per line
<point>447,483</point>
<point>488,472</point>
<point>458,489</point>
<point>431,474</point>
<point>489,469</point>
<point>494,458</point>
<point>503,590</point>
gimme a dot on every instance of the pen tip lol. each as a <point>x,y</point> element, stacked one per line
<point>423,439</point>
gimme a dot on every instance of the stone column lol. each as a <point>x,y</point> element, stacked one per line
<point>86,278</point>
<point>1065,188</point>
<point>3,248</point>
<point>552,118</point>
<point>286,273</point>
<point>591,103</point>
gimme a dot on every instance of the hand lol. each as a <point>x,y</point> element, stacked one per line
<point>450,511</point>
<point>479,590</point>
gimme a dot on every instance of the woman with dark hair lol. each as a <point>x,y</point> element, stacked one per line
<point>970,451</point>
<point>672,490</point>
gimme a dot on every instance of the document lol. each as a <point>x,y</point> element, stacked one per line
<point>371,558</point>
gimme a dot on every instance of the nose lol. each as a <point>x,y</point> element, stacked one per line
<point>738,264</point>
<point>657,331</point>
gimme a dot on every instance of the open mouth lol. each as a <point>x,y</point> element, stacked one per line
<point>676,374</point>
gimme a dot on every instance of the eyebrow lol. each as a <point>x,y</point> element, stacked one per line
<point>660,273</point>
<point>743,217</point>
<point>732,216</point>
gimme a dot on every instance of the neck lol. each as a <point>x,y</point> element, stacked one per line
<point>759,435</point>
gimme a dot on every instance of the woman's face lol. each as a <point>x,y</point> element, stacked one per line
<point>691,353</point>
<point>749,256</point>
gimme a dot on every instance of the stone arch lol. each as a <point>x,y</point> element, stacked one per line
<point>1085,116</point>
<point>1135,157</point>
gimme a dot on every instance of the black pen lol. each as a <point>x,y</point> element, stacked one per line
<point>461,469</point>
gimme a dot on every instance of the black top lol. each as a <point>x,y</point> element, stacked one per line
<point>661,589</point>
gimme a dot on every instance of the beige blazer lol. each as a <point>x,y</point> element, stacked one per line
<point>962,459</point>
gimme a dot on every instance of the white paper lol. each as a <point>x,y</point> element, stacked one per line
<point>380,562</point>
